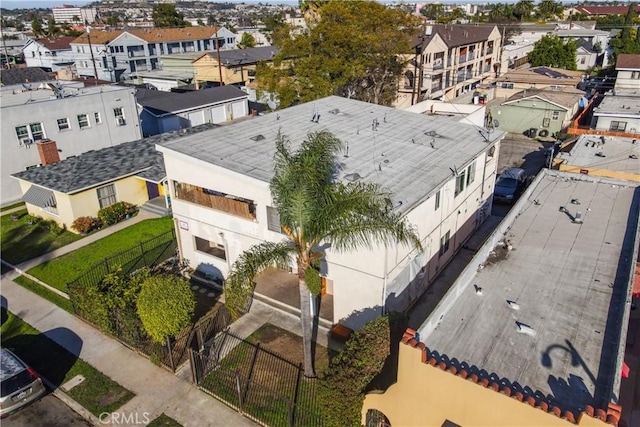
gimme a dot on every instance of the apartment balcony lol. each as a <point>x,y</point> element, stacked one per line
<point>215,200</point>
<point>489,51</point>
<point>464,76</point>
<point>136,53</point>
<point>433,68</point>
<point>466,58</point>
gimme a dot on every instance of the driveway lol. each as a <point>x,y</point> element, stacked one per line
<point>48,411</point>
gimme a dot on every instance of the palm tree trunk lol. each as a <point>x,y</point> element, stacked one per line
<point>305,318</point>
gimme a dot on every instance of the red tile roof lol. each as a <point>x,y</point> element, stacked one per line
<point>153,35</point>
<point>610,416</point>
<point>61,43</point>
<point>605,10</point>
<point>628,61</point>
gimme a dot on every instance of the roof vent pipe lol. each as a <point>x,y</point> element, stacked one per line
<point>525,329</point>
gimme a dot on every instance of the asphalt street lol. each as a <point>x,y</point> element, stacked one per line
<point>46,412</point>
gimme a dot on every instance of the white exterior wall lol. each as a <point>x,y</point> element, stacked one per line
<point>628,79</point>
<point>38,55</point>
<point>71,142</point>
<point>603,122</point>
<point>361,282</point>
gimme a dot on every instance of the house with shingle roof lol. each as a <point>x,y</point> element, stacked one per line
<point>45,52</point>
<point>448,61</point>
<point>122,53</point>
<point>628,72</point>
<point>77,186</point>
<point>548,111</point>
<point>167,111</point>
<point>515,81</point>
<point>237,66</point>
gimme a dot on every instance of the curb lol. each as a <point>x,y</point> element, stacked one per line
<point>75,406</point>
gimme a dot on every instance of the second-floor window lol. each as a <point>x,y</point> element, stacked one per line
<point>118,113</point>
<point>30,133</point>
<point>83,121</point>
<point>460,182</point>
<point>273,220</point>
<point>63,124</point>
<point>438,200</point>
<point>471,173</point>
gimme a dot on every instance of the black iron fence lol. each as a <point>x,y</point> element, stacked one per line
<point>259,383</point>
<point>145,254</point>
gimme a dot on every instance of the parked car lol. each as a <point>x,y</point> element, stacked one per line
<point>19,384</point>
<point>509,185</point>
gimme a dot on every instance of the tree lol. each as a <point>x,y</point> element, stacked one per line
<point>165,15</point>
<point>200,22</point>
<point>501,13</point>
<point>551,51</point>
<point>548,9</point>
<point>52,28</point>
<point>352,51</point>
<point>432,11</point>
<point>75,19</point>
<point>522,10</point>
<point>36,27</point>
<point>314,211</point>
<point>246,41</point>
<point>165,306</point>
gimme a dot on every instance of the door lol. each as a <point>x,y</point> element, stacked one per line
<point>196,118</point>
<point>152,190</point>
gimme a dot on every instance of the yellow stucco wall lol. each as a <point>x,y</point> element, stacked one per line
<point>426,396</point>
<point>85,203</point>
<point>626,176</point>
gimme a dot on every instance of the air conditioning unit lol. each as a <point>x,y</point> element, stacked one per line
<point>121,121</point>
<point>26,142</point>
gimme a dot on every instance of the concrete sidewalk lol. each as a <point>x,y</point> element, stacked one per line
<point>156,389</point>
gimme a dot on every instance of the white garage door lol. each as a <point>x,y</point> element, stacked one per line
<point>196,118</point>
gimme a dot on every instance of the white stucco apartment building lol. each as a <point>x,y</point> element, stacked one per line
<point>439,171</point>
<point>77,118</point>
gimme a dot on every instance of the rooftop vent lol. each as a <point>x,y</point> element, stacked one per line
<point>578,218</point>
<point>525,329</point>
<point>514,305</point>
<point>352,177</point>
<point>258,137</point>
<point>478,289</point>
<point>335,111</point>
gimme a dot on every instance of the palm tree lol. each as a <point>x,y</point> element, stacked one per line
<point>523,9</point>
<point>316,211</point>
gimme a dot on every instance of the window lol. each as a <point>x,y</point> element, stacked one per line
<point>583,60</point>
<point>505,85</point>
<point>617,126</point>
<point>107,195</point>
<point>118,113</point>
<point>460,181</point>
<point>444,243</point>
<point>273,220</point>
<point>83,121</point>
<point>546,122</point>
<point>32,132</point>
<point>471,173</point>
<point>211,248</point>
<point>635,74</point>
<point>97,118</point>
<point>63,124</point>
<point>437,200</point>
<point>555,115</point>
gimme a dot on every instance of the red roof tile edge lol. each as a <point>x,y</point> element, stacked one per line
<point>610,416</point>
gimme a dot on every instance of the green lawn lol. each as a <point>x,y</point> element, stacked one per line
<point>98,393</point>
<point>21,241</point>
<point>60,271</point>
<point>164,421</point>
<point>45,293</point>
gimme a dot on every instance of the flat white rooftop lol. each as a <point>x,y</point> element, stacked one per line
<point>549,315</point>
<point>409,154</point>
<point>39,92</point>
<point>614,154</point>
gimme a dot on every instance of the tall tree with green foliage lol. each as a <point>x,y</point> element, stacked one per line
<point>316,211</point>
<point>352,51</point>
<point>36,27</point>
<point>166,15</point>
<point>523,9</point>
<point>165,306</point>
<point>500,12</point>
<point>52,28</point>
<point>432,11</point>
<point>551,51</point>
<point>548,9</point>
<point>246,41</point>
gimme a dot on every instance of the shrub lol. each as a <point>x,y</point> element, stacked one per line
<point>352,370</point>
<point>85,224</point>
<point>32,219</point>
<point>116,212</point>
<point>52,226</point>
<point>165,306</point>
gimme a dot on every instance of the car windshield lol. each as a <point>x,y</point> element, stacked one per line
<point>15,383</point>
<point>507,182</point>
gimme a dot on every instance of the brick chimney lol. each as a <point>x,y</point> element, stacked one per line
<point>48,151</point>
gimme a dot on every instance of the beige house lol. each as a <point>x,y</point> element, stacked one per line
<point>516,81</point>
<point>236,66</point>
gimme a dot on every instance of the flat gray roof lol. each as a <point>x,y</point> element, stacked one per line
<point>623,105</point>
<point>397,154</point>
<point>567,282</point>
<point>19,95</point>
<point>614,154</point>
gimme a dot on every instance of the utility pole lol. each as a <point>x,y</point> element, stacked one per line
<point>93,61</point>
<point>6,52</point>
<point>218,52</point>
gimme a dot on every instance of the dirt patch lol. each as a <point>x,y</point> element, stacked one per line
<point>499,253</point>
<point>111,397</point>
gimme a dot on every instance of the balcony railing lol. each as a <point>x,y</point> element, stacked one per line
<point>136,53</point>
<point>489,51</point>
<point>215,200</point>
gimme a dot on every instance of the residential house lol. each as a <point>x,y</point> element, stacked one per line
<point>168,111</point>
<point>547,111</point>
<point>586,55</point>
<point>450,60</point>
<point>594,11</point>
<point>618,114</point>
<point>44,52</point>
<point>515,81</point>
<point>591,46</point>
<point>26,75</point>
<point>120,54</point>
<point>628,72</point>
<point>237,66</point>
<point>599,155</point>
<point>164,80</point>
<point>78,118</point>
<point>79,186</point>
<point>440,173</point>
<point>533,331</point>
